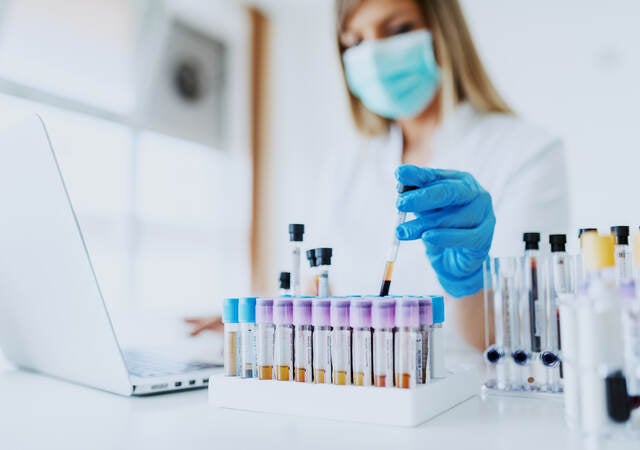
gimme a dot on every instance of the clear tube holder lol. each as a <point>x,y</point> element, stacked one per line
<point>395,407</point>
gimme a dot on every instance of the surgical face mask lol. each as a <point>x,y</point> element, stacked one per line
<point>395,77</point>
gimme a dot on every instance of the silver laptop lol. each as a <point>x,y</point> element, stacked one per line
<point>53,318</point>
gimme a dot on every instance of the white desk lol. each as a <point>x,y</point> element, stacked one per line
<point>37,412</point>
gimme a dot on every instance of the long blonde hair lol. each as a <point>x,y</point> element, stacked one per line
<point>464,77</point>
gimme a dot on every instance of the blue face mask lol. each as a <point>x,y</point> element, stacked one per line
<point>395,77</point>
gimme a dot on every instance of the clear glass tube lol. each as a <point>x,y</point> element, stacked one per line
<point>264,350</point>
<point>425,374</point>
<point>535,308</point>
<point>231,349</point>
<point>303,356</point>
<point>283,352</point>
<point>631,326</point>
<point>623,264</point>
<point>248,366</point>
<point>407,356</point>
<point>322,355</point>
<point>383,357</point>
<point>323,281</point>
<point>362,357</point>
<point>341,355</point>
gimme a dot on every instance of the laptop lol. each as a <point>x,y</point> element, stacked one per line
<point>53,318</point>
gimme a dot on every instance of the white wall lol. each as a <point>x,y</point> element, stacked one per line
<point>572,66</point>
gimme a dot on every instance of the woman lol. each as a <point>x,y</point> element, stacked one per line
<point>422,99</point>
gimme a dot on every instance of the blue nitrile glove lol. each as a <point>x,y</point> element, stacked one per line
<point>454,219</point>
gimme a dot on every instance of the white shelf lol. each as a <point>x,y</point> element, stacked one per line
<point>398,407</point>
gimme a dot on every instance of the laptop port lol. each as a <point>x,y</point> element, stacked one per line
<point>177,383</point>
<point>192,382</point>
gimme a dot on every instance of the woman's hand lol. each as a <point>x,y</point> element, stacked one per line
<point>201,324</point>
<point>454,219</point>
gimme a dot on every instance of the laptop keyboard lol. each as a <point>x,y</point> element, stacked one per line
<point>146,364</point>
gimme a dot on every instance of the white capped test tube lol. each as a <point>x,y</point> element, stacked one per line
<point>383,320</point>
<point>265,332</point>
<point>296,235</point>
<point>247,319</point>
<point>360,318</point>
<point>321,320</point>
<point>408,344</point>
<point>340,341</point>
<point>231,337</point>
<point>283,346</point>
<point>303,340</point>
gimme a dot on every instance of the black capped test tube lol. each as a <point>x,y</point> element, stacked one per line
<point>296,235</point>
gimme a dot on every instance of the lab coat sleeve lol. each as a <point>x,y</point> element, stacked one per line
<point>534,199</point>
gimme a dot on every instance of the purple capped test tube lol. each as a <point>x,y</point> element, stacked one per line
<point>321,321</point>
<point>265,330</point>
<point>360,317</point>
<point>383,321</point>
<point>283,352</point>
<point>340,341</point>
<point>408,343</point>
<point>302,341</point>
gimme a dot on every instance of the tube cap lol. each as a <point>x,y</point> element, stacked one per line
<point>323,256</point>
<point>230,310</point>
<point>597,251</point>
<point>437,302</point>
<point>311,257</point>
<point>426,311</point>
<point>247,310</point>
<point>296,232</point>
<point>621,233</point>
<point>407,313</point>
<point>558,242</point>
<point>264,310</point>
<point>283,311</point>
<point>360,313</point>
<point>285,280</point>
<point>302,311</point>
<point>321,312</point>
<point>383,314</point>
<point>531,241</point>
<point>401,188</point>
<point>581,231</point>
<point>340,312</point>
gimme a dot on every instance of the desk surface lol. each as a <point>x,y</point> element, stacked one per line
<point>41,412</point>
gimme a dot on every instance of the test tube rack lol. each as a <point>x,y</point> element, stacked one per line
<point>383,406</point>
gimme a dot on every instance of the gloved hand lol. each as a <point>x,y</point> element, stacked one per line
<point>454,219</point>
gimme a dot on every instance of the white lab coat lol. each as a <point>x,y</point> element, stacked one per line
<point>521,166</point>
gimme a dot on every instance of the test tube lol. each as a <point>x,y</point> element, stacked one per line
<point>323,263</point>
<point>231,338</point>
<point>321,321</point>
<point>247,319</point>
<point>360,317</point>
<point>283,346</point>
<point>303,340</point>
<point>426,320</point>
<point>395,246</point>
<point>535,307</point>
<point>383,320</point>
<point>340,341</point>
<point>296,235</point>
<point>265,330</point>
<point>631,326</point>
<point>436,350</point>
<point>623,262</point>
<point>408,343</point>
<point>285,284</point>
<point>570,367</point>
<point>311,257</point>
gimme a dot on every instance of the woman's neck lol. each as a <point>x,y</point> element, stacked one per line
<point>417,134</point>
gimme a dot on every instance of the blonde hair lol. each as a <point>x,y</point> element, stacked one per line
<point>464,77</point>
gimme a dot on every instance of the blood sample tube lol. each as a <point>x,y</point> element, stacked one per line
<point>265,330</point>
<point>383,319</point>
<point>303,340</point>
<point>360,317</point>
<point>436,351</point>
<point>283,347</point>
<point>321,321</point>
<point>408,343</point>
<point>231,338</point>
<point>340,341</point>
<point>247,319</point>
<point>426,320</point>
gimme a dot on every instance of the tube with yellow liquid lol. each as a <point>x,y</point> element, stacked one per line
<point>283,349</point>
<point>340,341</point>
<point>360,318</point>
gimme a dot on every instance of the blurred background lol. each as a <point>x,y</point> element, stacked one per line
<point>190,132</point>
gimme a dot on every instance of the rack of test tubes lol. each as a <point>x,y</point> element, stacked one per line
<point>367,359</point>
<point>570,324</point>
